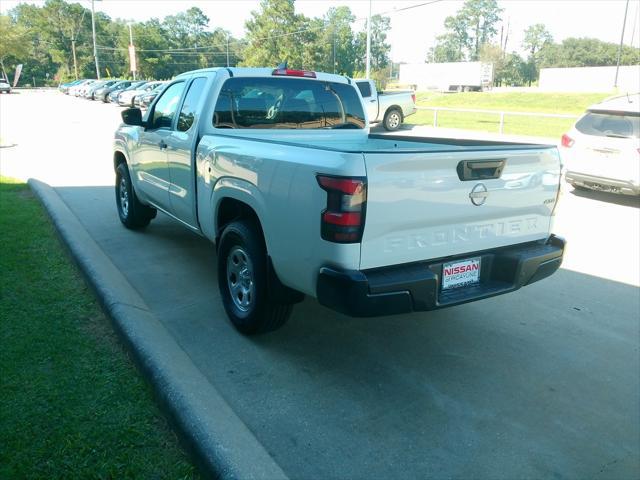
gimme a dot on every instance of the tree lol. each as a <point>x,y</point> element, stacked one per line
<point>586,52</point>
<point>336,42</point>
<point>536,37</point>
<point>481,17</point>
<point>273,35</point>
<point>379,47</point>
<point>513,70</point>
<point>473,26</point>
<point>447,49</point>
<point>13,45</point>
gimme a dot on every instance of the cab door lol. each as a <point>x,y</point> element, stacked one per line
<point>150,160</point>
<point>369,99</point>
<point>181,145</point>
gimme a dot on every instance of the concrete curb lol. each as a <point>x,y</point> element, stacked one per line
<point>222,444</point>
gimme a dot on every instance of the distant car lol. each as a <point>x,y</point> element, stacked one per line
<point>95,90</point>
<point>99,92</point>
<point>390,108</point>
<point>80,89</point>
<point>602,151</point>
<point>127,98</point>
<point>5,87</point>
<point>145,100</point>
<point>64,87</point>
<point>77,89</point>
<point>116,87</point>
<point>128,93</point>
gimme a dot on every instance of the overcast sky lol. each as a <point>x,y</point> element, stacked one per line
<point>413,31</point>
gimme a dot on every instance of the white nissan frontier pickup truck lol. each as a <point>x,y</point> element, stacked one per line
<point>279,170</point>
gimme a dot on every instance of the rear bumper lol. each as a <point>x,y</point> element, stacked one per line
<point>602,184</point>
<point>416,287</point>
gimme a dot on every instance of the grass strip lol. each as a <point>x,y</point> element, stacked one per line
<point>557,103</point>
<point>72,404</point>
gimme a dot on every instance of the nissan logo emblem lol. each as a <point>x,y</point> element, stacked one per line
<point>479,194</point>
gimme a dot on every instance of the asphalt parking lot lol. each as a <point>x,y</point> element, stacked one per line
<point>540,383</point>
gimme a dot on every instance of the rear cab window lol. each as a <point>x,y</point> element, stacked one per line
<point>610,124</point>
<point>365,89</point>
<point>287,103</point>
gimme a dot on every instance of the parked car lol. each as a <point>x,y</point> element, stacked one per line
<point>116,87</point>
<point>5,87</point>
<point>278,168</point>
<point>390,108</point>
<point>80,90</point>
<point>64,87</point>
<point>145,100</point>
<point>95,90</point>
<point>73,90</point>
<point>124,97</point>
<point>602,150</point>
<point>113,96</point>
<point>98,93</point>
<point>128,97</point>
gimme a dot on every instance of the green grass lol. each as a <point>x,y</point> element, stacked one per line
<point>559,103</point>
<point>72,405</point>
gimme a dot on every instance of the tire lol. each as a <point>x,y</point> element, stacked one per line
<point>132,213</point>
<point>392,120</point>
<point>243,281</point>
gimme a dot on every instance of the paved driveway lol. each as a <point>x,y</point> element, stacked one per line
<point>540,383</point>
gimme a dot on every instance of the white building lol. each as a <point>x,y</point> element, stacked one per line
<point>590,79</point>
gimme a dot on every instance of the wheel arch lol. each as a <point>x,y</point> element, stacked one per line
<point>229,209</point>
<point>395,107</point>
<point>118,158</point>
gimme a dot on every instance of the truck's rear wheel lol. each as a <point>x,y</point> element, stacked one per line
<point>132,213</point>
<point>392,120</point>
<point>243,280</point>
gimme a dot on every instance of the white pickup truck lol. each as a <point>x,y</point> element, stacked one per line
<point>390,108</point>
<point>278,168</point>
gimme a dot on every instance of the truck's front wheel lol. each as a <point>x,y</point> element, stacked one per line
<point>242,280</point>
<point>132,213</point>
<point>392,120</point>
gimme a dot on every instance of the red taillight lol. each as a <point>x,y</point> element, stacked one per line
<point>567,141</point>
<point>285,72</point>
<point>413,97</point>
<point>343,219</point>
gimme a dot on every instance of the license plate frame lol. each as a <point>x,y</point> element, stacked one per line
<point>461,273</point>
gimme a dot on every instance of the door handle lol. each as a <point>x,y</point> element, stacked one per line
<point>480,169</point>
<point>372,101</point>
<point>162,145</point>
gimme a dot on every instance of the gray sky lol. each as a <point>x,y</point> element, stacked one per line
<point>412,31</point>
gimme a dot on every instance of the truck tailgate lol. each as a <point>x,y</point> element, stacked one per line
<point>419,208</point>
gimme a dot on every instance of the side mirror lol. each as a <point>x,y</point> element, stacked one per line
<point>132,117</point>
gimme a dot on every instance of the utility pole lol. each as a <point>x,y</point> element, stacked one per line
<point>95,48</point>
<point>74,38</point>
<point>75,60</point>
<point>132,53</point>
<point>624,23</point>
<point>227,49</point>
<point>369,42</point>
<point>334,51</point>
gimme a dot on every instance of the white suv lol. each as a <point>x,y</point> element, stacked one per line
<point>602,150</point>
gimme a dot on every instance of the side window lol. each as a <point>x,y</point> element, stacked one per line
<point>365,89</point>
<point>166,106</point>
<point>188,111</point>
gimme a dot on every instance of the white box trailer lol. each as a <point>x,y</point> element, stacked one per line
<point>447,77</point>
